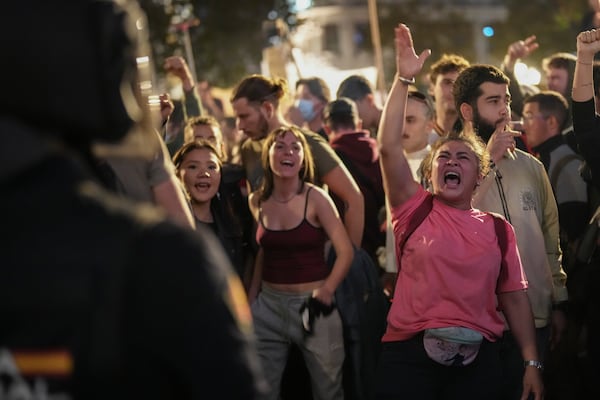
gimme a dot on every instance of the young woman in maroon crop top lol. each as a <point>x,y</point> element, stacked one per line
<point>294,219</point>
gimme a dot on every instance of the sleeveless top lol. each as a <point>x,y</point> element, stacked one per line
<point>293,255</point>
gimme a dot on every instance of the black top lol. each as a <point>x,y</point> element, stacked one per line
<point>131,306</point>
<point>586,125</point>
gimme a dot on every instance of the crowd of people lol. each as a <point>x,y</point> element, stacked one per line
<point>203,255</point>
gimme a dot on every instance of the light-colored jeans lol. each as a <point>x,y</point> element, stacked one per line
<point>277,325</point>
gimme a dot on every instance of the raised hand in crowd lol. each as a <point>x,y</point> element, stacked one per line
<point>166,106</point>
<point>588,44</point>
<point>178,67</point>
<point>519,50</point>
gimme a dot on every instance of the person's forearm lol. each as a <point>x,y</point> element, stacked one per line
<point>192,106</point>
<point>583,85</point>
<point>187,82</point>
<point>390,246</point>
<point>215,111</point>
<point>170,197</point>
<point>340,267</point>
<point>354,218</point>
<point>342,184</point>
<point>517,309</point>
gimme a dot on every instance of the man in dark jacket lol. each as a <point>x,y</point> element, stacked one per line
<point>359,153</point>
<point>99,298</point>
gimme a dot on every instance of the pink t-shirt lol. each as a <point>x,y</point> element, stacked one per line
<point>450,271</point>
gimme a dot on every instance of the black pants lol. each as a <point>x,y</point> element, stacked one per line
<point>405,371</point>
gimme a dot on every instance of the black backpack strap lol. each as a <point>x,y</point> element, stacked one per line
<point>502,235</point>
<point>415,220</point>
<point>559,167</point>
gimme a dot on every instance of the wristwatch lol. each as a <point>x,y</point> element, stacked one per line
<point>533,363</point>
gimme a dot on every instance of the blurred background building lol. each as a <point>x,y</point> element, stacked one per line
<point>229,39</point>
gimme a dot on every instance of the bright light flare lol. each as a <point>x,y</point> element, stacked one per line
<point>527,75</point>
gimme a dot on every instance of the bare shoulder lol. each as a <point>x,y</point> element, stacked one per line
<point>317,193</point>
<point>319,199</point>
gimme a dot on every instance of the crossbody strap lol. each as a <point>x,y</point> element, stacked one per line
<point>502,235</point>
<point>415,220</point>
<point>425,208</point>
<point>559,167</point>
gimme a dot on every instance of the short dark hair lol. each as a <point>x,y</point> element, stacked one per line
<point>341,114</point>
<point>420,97</point>
<point>354,87</point>
<point>551,103</point>
<point>187,148</point>
<point>317,87</point>
<point>564,61</point>
<point>561,60</point>
<point>467,87</point>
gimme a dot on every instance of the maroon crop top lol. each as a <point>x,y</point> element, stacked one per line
<point>294,255</point>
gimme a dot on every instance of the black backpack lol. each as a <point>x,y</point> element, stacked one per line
<point>363,308</point>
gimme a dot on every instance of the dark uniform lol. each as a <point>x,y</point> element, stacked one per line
<point>100,298</point>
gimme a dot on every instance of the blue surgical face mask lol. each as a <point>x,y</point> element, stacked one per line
<point>306,108</point>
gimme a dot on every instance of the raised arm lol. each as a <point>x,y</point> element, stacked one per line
<point>588,44</point>
<point>167,189</point>
<point>585,120</point>
<point>398,181</point>
<point>179,67</point>
<point>516,51</point>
